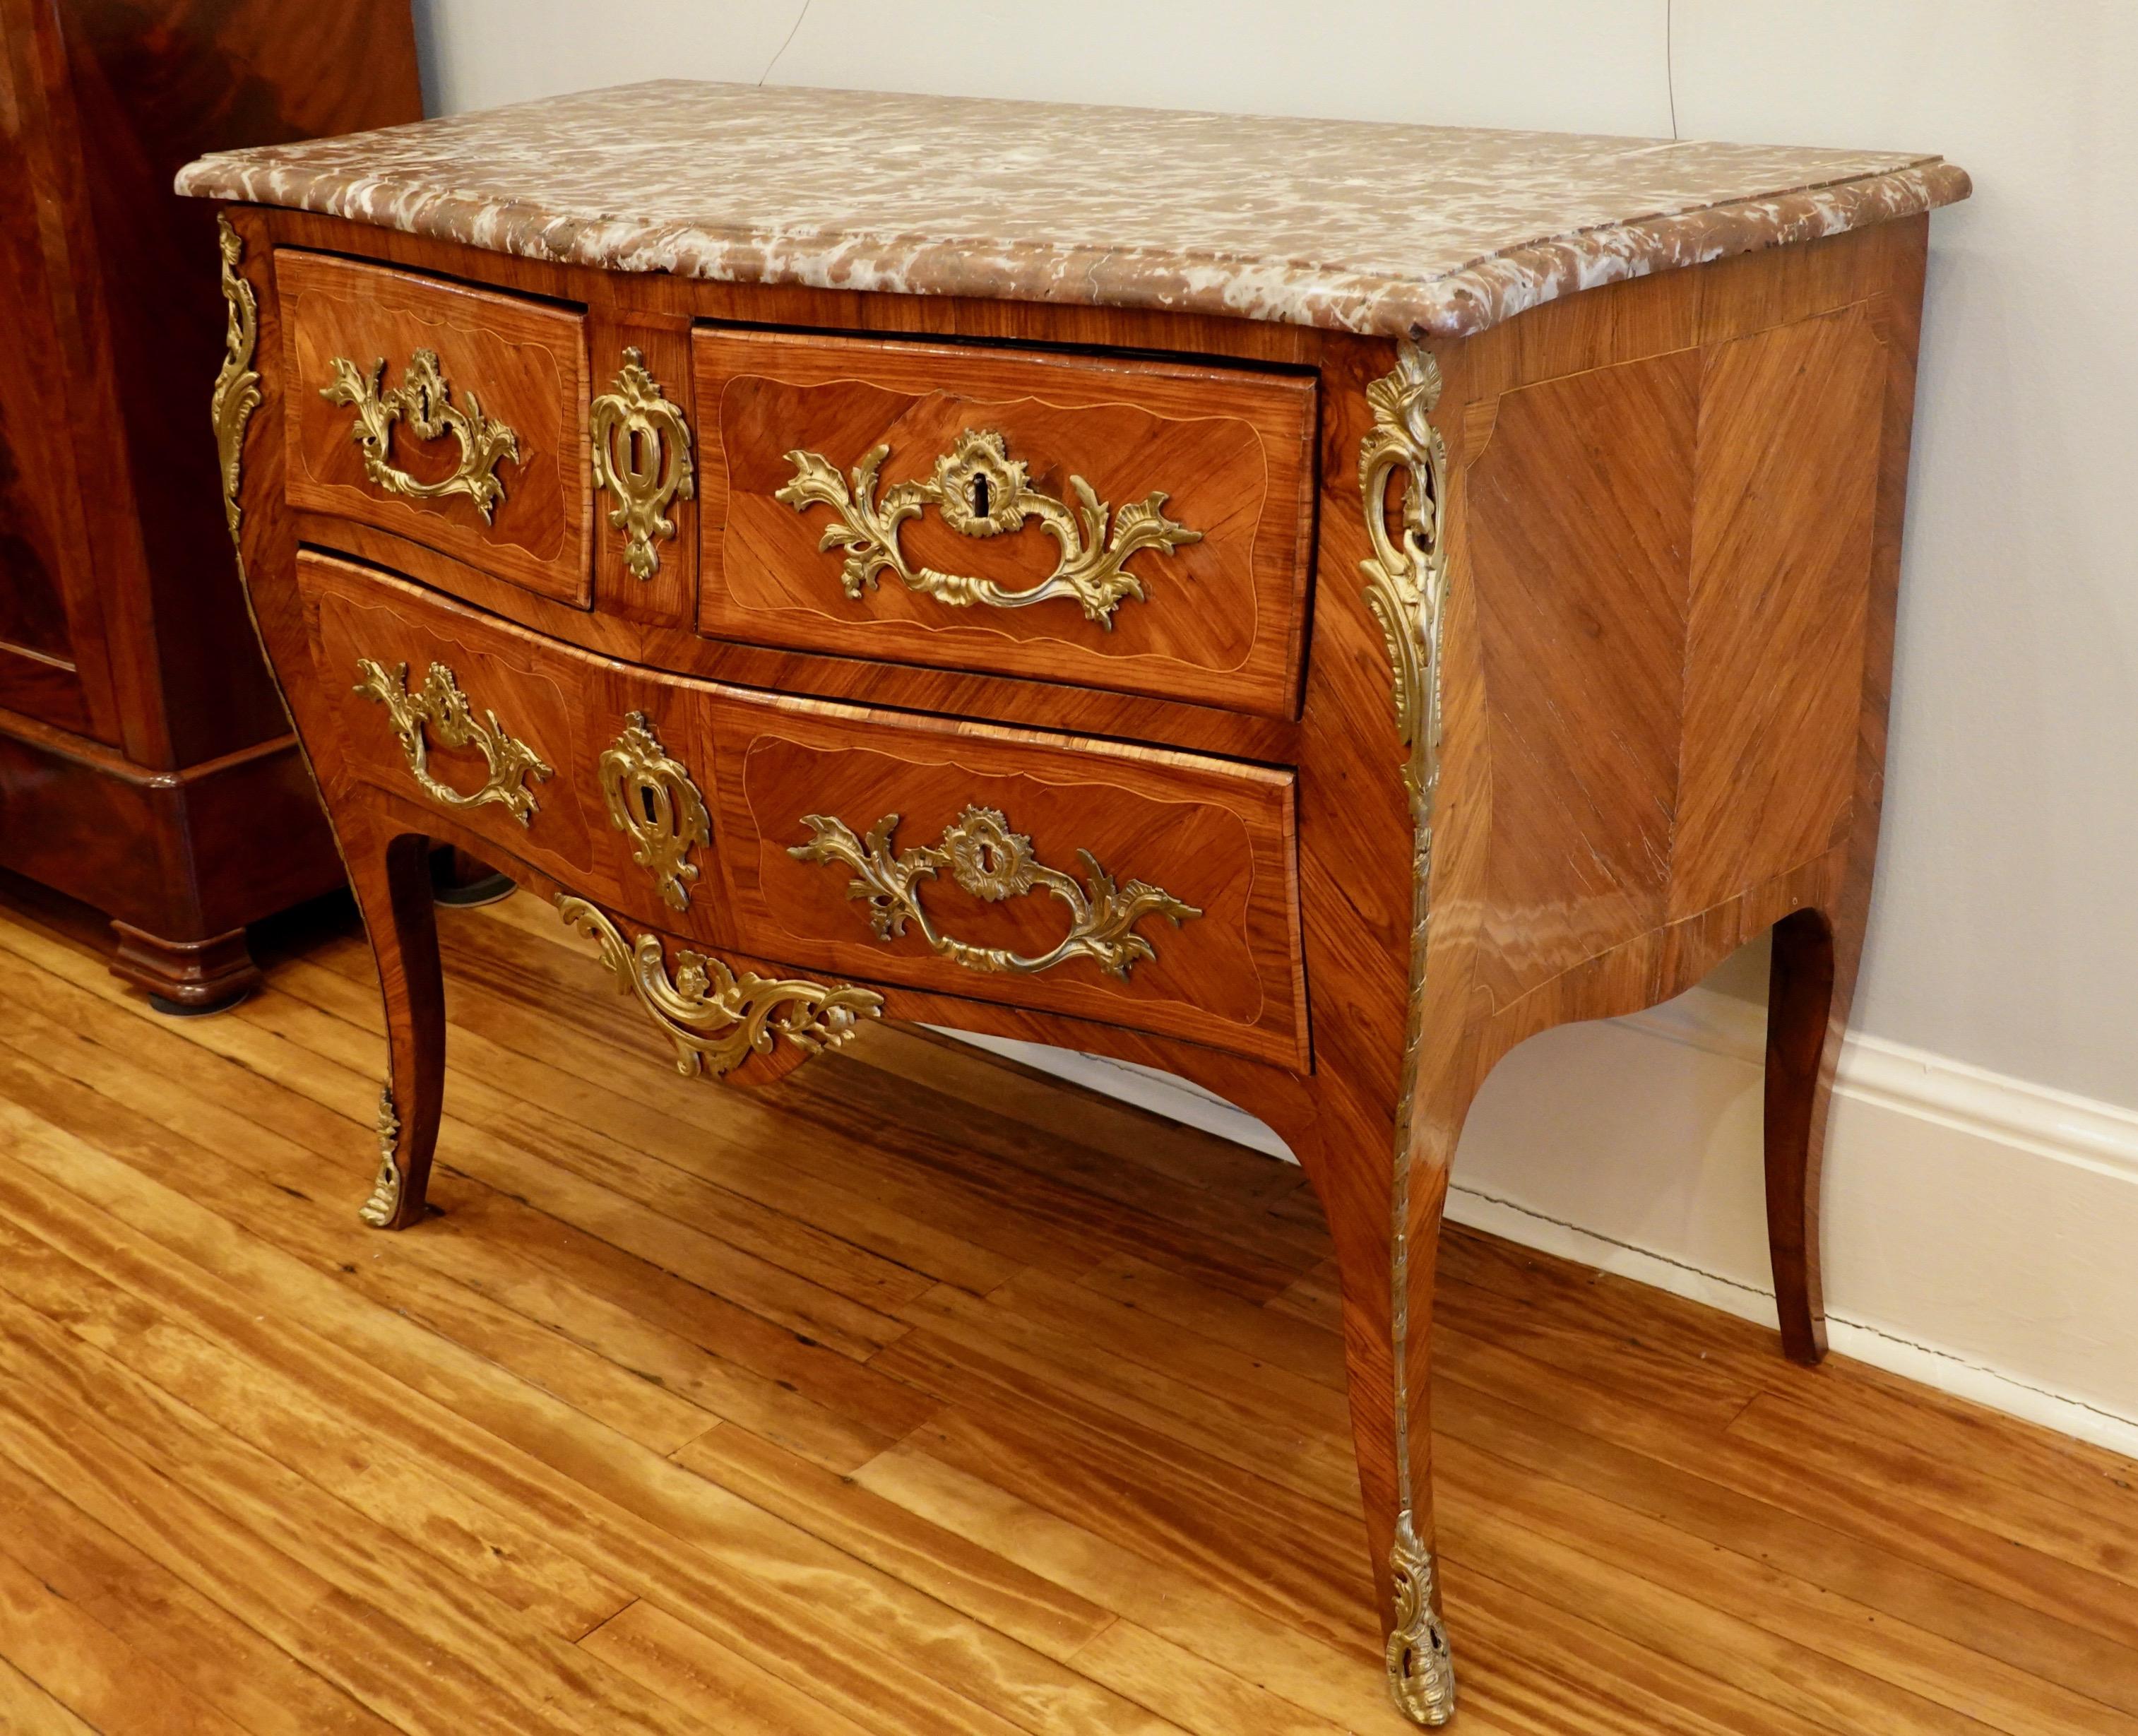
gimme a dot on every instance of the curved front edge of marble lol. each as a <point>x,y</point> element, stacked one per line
<point>1385,231</point>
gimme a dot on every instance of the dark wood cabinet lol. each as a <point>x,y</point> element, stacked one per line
<point>146,765</point>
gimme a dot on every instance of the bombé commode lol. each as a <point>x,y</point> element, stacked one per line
<point>1305,605</point>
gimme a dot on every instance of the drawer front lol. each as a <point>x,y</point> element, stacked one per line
<point>447,415</point>
<point>459,714</point>
<point>1136,887</point>
<point>1144,526</point>
<point>1132,886</point>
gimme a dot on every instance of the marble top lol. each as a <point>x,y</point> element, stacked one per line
<point>1362,226</point>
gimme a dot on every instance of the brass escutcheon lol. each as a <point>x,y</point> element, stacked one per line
<point>651,796</point>
<point>642,455</point>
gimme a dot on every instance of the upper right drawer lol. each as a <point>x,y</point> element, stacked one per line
<point>1141,526</point>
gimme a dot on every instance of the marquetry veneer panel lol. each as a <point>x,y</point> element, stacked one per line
<point>1231,449</point>
<point>1216,835</point>
<point>1664,552</point>
<point>518,364</point>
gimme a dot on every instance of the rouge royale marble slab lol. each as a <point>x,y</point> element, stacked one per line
<point>1357,225</point>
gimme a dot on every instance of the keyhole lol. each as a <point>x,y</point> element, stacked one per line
<point>645,803</point>
<point>987,865</point>
<point>979,497</point>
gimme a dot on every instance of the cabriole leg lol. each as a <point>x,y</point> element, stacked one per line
<point>1421,1667</point>
<point>1385,1220</point>
<point>392,887</point>
<point>1804,1043</point>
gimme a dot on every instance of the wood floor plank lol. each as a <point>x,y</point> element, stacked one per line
<point>919,1396</point>
<point>1193,1693</point>
<point>940,1563</point>
<point>747,1577</point>
<point>2001,1455</point>
<point>1270,1334</point>
<point>385,1272</point>
<point>88,1669</point>
<point>1292,1561</point>
<point>1032,1218</point>
<point>639,1317</point>
<point>26,1708</point>
<point>1085,1311</point>
<point>1342,1684</point>
<point>1314,1297</point>
<point>1668,1379</point>
<point>491,1138</point>
<point>700,1676</point>
<point>521,1665</point>
<point>861,1091</point>
<point>1862,1640</point>
<point>2101,1536</point>
<point>1901,1526</point>
<point>1659,1621</point>
<point>1078,1224</point>
<point>928,1222</point>
<point>784,1385</point>
<point>1612,1311</point>
<point>1551,1671</point>
<point>196,1641</point>
<point>1237,1428</point>
<point>386,1665</point>
<point>327,1011</point>
<point>367,1479</point>
<point>1822,1552</point>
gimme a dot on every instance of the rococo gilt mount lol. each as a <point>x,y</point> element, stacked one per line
<point>1308,642</point>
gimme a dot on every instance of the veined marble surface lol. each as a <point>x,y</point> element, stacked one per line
<point>1359,226</point>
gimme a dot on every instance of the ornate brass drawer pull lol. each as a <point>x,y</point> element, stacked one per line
<point>715,1018</point>
<point>992,862</point>
<point>439,707</point>
<point>426,401</point>
<point>651,796</point>
<point>641,448</point>
<point>981,491</point>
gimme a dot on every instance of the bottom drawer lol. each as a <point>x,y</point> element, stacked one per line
<point>1131,885</point>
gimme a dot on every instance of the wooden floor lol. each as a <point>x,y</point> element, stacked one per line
<point>918,1395</point>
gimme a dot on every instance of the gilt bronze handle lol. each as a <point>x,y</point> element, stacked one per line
<point>425,400</point>
<point>439,707</point>
<point>992,862</point>
<point>980,491</point>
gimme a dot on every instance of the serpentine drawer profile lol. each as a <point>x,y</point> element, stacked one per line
<point>1210,590</point>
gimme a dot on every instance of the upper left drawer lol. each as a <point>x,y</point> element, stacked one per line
<point>444,414</point>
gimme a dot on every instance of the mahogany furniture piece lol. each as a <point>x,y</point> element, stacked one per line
<point>1202,590</point>
<point>146,766</point>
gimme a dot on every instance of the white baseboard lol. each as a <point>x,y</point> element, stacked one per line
<point>1981,1231</point>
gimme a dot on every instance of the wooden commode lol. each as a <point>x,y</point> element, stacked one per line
<point>1204,590</point>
